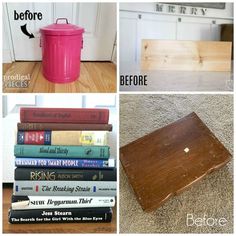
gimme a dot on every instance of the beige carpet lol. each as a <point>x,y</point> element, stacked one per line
<point>212,196</point>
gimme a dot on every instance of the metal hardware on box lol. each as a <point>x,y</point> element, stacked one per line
<point>179,19</point>
<point>213,22</point>
<point>139,16</point>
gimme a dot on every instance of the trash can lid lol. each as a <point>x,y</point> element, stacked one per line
<point>62,28</point>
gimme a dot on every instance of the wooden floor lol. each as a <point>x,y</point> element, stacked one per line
<point>95,77</point>
<point>52,227</point>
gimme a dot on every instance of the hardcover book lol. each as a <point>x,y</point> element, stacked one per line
<point>64,115</point>
<point>64,163</point>
<point>62,126</point>
<point>169,160</point>
<point>99,152</point>
<point>45,202</point>
<point>65,188</point>
<point>98,138</point>
<point>77,215</point>
<point>55,174</point>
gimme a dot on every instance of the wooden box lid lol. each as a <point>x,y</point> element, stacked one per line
<point>167,161</point>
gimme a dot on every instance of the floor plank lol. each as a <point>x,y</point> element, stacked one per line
<point>95,77</point>
<point>53,228</point>
<point>5,67</point>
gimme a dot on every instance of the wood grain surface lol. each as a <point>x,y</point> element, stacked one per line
<point>169,160</point>
<point>53,227</point>
<point>186,55</point>
<point>94,77</point>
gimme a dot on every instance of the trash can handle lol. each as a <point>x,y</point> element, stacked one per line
<point>61,19</point>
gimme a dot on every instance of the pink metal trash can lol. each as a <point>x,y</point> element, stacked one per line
<point>61,51</point>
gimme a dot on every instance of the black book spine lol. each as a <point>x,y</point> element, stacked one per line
<point>78,215</point>
<point>65,174</point>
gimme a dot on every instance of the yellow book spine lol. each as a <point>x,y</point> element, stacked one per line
<point>79,138</point>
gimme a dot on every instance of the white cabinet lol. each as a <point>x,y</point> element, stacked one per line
<point>135,26</point>
<point>194,31</point>
<point>128,36</point>
<point>151,26</point>
<point>193,28</point>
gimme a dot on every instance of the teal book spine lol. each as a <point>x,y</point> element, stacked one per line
<point>54,151</point>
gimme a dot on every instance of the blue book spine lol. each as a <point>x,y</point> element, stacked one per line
<point>50,151</point>
<point>64,163</point>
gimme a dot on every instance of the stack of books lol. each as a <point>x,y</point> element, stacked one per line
<point>64,172</point>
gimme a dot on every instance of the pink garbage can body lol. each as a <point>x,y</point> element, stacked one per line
<point>61,51</point>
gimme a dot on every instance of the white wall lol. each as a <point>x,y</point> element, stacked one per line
<point>151,7</point>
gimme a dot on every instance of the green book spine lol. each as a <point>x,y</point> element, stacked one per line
<point>99,152</point>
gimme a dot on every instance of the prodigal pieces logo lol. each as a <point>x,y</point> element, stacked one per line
<point>16,81</point>
<point>197,221</point>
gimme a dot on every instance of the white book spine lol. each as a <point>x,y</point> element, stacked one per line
<point>45,202</point>
<point>65,188</point>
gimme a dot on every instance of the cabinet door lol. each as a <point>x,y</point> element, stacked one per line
<point>25,48</point>
<point>152,26</point>
<point>6,45</point>
<point>137,26</point>
<point>196,28</point>
<point>194,31</point>
<point>98,19</point>
<point>128,36</point>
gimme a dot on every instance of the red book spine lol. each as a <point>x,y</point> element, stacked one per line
<point>64,115</point>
